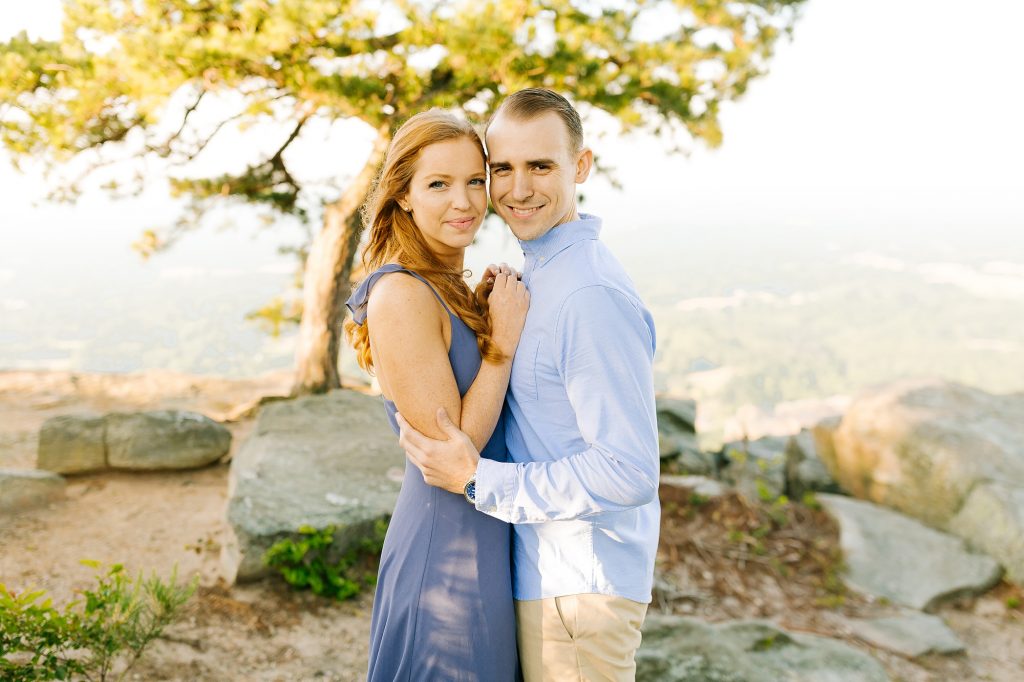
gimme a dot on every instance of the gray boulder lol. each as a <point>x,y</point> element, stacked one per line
<point>894,556</point>
<point>164,439</point>
<point>680,649</point>
<point>805,471</point>
<point>319,460</point>
<point>698,485</point>
<point>147,441</point>
<point>678,445</point>
<point>758,467</point>
<point>944,453</point>
<point>22,489</point>
<point>823,434</point>
<point>681,454</point>
<point>910,634</point>
<point>677,414</point>
<point>992,520</point>
<point>72,444</point>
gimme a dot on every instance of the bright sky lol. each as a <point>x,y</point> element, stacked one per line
<point>879,114</point>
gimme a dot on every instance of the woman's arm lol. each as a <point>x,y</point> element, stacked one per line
<point>406,327</point>
<point>481,406</point>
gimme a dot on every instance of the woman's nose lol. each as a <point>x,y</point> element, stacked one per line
<point>460,198</point>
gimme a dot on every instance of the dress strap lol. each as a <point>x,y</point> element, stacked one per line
<point>361,295</point>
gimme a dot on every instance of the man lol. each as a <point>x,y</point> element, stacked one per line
<point>582,483</point>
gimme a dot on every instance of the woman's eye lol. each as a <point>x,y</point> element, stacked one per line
<point>477,181</point>
<point>436,184</point>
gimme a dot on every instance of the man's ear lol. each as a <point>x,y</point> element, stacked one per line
<point>584,162</point>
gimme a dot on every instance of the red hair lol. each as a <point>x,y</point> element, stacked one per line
<point>394,236</point>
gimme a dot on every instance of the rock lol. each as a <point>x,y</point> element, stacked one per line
<point>677,438</point>
<point>758,467</point>
<point>681,454</point>
<point>992,519</point>
<point>824,442</point>
<point>692,460</point>
<point>805,472</point>
<point>700,485</point>
<point>22,489</point>
<point>316,460</point>
<point>940,452</point>
<point>164,439</point>
<point>894,556</point>
<point>910,634</point>
<point>680,649</point>
<point>666,592</point>
<point>677,415</point>
<point>72,444</point>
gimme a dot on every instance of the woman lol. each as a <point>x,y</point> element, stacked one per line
<point>443,607</point>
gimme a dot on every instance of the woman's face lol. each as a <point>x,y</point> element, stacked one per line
<point>448,196</point>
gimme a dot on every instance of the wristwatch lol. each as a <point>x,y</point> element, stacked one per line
<point>470,490</point>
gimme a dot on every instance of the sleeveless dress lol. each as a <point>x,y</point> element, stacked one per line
<point>443,604</point>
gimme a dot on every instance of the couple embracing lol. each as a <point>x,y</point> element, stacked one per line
<point>522,544</point>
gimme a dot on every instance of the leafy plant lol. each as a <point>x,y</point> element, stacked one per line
<point>835,586</point>
<point>810,500</point>
<point>117,619</point>
<point>306,563</point>
<point>35,639</point>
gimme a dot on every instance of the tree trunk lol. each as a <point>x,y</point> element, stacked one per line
<point>325,285</point>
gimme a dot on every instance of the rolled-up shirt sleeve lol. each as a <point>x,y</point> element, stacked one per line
<point>605,349</point>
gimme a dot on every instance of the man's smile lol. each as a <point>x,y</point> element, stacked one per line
<point>523,212</point>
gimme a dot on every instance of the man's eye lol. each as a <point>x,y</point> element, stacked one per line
<point>542,167</point>
<point>499,171</point>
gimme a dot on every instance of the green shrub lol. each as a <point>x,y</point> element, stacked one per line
<point>810,500</point>
<point>305,563</point>
<point>117,620</point>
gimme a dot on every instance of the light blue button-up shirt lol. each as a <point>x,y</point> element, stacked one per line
<point>582,483</point>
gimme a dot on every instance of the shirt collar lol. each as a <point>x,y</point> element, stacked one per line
<point>562,237</point>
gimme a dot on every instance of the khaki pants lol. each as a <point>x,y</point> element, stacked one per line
<point>579,638</point>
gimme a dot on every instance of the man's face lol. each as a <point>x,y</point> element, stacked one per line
<point>534,173</point>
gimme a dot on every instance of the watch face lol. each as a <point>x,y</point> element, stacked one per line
<point>471,490</point>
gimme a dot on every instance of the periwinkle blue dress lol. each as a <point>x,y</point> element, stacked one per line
<point>443,605</point>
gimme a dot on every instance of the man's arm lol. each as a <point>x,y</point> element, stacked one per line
<point>605,351</point>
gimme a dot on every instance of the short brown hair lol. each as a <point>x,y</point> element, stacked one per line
<point>532,102</point>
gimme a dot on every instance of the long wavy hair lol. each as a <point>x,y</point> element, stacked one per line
<point>394,236</point>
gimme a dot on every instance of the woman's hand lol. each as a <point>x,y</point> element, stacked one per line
<point>508,302</point>
<point>483,289</point>
<point>493,270</point>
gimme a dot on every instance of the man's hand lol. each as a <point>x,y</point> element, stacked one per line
<point>446,464</point>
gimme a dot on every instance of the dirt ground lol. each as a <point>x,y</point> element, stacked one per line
<point>714,561</point>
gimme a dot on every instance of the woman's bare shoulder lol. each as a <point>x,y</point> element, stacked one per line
<point>398,295</point>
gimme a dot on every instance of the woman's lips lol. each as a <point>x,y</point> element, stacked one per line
<point>461,223</point>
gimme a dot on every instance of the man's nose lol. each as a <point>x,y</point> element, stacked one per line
<point>522,188</point>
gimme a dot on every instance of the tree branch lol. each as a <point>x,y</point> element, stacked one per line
<point>165,150</point>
